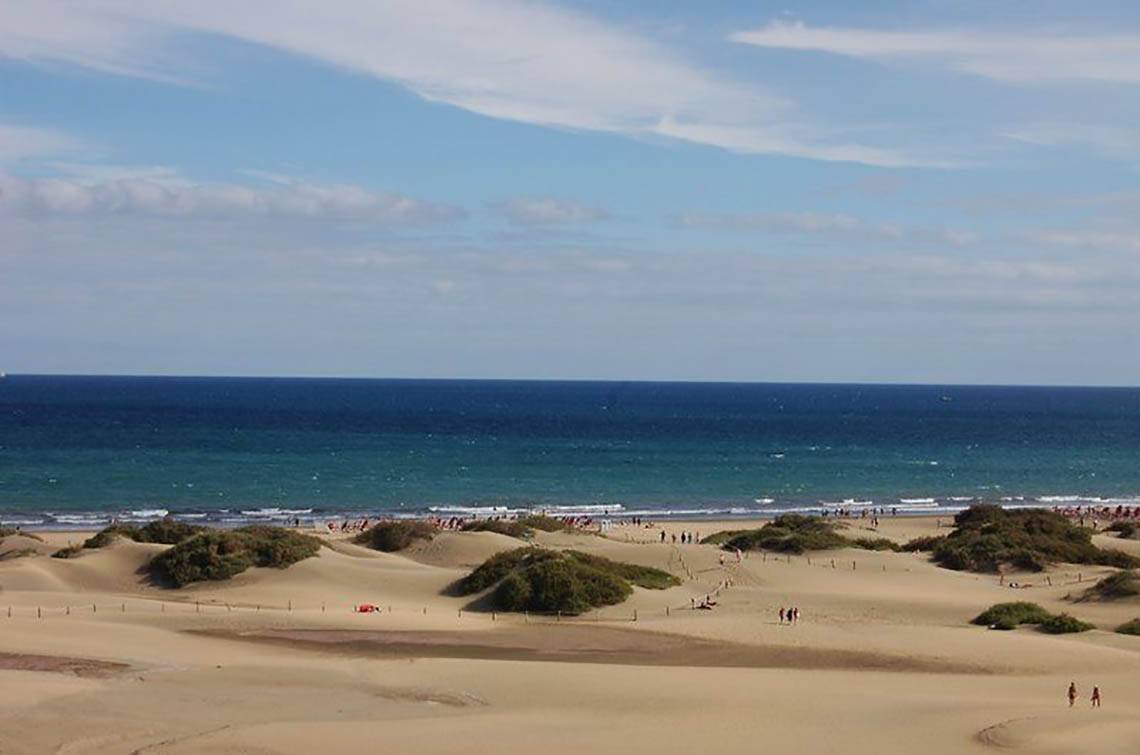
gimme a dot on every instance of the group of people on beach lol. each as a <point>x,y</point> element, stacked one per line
<point>791,615</point>
<point>1094,514</point>
<point>1074,695</point>
<point>687,538</point>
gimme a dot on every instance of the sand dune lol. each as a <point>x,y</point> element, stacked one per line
<point>882,659</point>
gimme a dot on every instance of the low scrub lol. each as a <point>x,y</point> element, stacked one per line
<point>570,582</point>
<point>921,544</point>
<point>508,527</point>
<point>395,535</point>
<point>1064,624</point>
<point>1128,530</point>
<point>790,533</point>
<point>875,544</point>
<point>215,555</point>
<point>544,523</point>
<point>987,538</point>
<point>161,531</point>
<point>1129,627</point>
<point>10,531</point>
<point>1010,615</point>
<point>70,551</point>
<point>1122,584</point>
<point>17,553</point>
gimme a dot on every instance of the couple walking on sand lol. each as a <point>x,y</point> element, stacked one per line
<point>1073,695</point>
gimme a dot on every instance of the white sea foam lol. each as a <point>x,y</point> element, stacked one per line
<point>148,513</point>
<point>916,500</point>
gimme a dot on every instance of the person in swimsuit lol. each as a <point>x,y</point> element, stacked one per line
<point>1096,697</point>
<point>1072,693</point>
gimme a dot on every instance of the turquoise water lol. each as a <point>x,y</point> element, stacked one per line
<point>80,449</point>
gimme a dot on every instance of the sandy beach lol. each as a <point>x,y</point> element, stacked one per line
<point>95,659</point>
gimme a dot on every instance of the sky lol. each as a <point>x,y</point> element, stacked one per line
<point>940,191</point>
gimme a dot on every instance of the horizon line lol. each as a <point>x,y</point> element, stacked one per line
<point>687,381</point>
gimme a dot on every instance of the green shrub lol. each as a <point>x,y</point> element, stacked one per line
<point>923,543</point>
<point>163,531</point>
<point>1064,624</point>
<point>222,554</point>
<point>395,535</point>
<point>499,566</point>
<point>875,544</point>
<point>17,553</point>
<point>70,551</point>
<point>1122,584</point>
<point>1009,615</point>
<point>544,523</point>
<point>10,531</point>
<point>643,576</point>
<point>789,533</point>
<point>1129,627</point>
<point>988,537</point>
<point>722,537</point>
<point>559,585</point>
<point>1128,530</point>
<point>570,582</point>
<point>508,527</point>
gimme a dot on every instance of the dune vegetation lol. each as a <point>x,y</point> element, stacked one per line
<point>1011,615</point>
<point>1129,627</point>
<point>1122,584</point>
<point>549,581</point>
<point>797,533</point>
<point>213,555</point>
<point>163,531</point>
<point>1126,530</point>
<point>395,535</point>
<point>508,527</point>
<point>989,538</point>
<point>12,531</point>
<point>1006,616</point>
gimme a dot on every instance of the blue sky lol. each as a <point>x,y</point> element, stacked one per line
<point>876,191</point>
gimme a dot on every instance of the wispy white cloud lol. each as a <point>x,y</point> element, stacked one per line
<point>1014,56</point>
<point>549,211</point>
<point>163,192</point>
<point>1115,141</point>
<point>530,62</point>
<point>836,226</point>
<point>1086,239</point>
<point>20,142</point>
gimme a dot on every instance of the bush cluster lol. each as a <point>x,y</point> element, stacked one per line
<point>10,531</point>
<point>70,551</point>
<point>1129,627</point>
<point>395,535</point>
<point>922,544</point>
<point>163,531</point>
<point>1122,584</point>
<point>1063,623</point>
<point>508,527</point>
<point>1011,615</point>
<point>544,523</point>
<point>796,533</point>
<point>788,533</point>
<point>988,537</point>
<point>1128,530</point>
<point>570,582</point>
<point>222,554</point>
<point>1008,616</point>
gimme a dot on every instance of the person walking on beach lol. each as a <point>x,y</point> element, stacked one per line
<point>1072,693</point>
<point>1096,697</point>
<point>781,614</point>
<point>662,536</point>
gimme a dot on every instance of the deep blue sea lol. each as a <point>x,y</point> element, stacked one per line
<point>78,450</point>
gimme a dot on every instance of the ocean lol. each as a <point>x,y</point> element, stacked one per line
<point>76,451</point>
